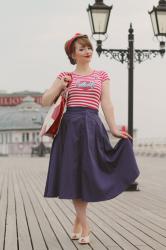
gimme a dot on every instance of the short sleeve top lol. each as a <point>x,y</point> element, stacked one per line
<point>85,91</point>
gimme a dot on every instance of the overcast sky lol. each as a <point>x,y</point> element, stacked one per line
<point>32,39</point>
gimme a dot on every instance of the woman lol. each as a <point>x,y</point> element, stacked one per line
<point>83,165</point>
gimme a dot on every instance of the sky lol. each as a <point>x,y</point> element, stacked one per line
<point>32,40</point>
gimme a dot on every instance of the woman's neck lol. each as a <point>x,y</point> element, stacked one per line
<point>83,69</point>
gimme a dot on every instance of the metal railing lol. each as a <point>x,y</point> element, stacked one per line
<point>19,149</point>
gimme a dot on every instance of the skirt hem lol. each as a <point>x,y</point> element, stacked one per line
<point>109,197</point>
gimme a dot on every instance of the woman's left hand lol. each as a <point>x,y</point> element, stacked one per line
<point>121,134</point>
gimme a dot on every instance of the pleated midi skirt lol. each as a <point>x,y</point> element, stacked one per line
<point>83,164</point>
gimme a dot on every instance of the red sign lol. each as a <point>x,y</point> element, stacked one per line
<point>15,100</point>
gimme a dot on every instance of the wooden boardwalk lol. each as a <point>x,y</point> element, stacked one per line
<point>132,220</point>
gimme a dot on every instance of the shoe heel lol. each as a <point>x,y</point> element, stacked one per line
<point>84,239</point>
<point>75,236</point>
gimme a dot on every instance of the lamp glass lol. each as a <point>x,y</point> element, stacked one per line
<point>162,22</point>
<point>91,21</point>
<point>100,20</point>
<point>154,22</point>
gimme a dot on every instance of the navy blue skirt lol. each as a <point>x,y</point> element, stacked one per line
<point>83,164</point>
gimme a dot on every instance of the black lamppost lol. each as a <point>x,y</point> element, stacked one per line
<point>99,14</point>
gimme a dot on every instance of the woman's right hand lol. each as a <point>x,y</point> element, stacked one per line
<point>64,81</point>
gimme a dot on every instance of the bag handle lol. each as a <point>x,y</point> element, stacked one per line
<point>64,92</point>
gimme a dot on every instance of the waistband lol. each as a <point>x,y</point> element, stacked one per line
<point>82,109</point>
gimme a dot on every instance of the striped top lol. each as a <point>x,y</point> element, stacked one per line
<point>85,91</point>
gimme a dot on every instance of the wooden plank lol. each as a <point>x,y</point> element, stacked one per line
<point>150,215</point>
<point>35,231</point>
<point>126,238</point>
<point>3,211</point>
<point>49,234</point>
<point>52,214</point>
<point>142,218</point>
<point>11,228</point>
<point>1,183</point>
<point>149,205</point>
<point>157,195</point>
<point>24,237</point>
<point>143,233</point>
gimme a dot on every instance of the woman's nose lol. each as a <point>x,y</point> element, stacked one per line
<point>88,52</point>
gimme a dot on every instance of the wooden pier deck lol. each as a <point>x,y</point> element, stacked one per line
<point>133,220</point>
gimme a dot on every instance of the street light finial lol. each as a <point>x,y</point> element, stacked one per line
<point>99,1</point>
<point>131,28</point>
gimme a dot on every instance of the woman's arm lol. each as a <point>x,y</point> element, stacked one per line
<point>50,95</point>
<point>108,110</point>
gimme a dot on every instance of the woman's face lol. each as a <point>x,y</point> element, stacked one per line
<point>83,54</point>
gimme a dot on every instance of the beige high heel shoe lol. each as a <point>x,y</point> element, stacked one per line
<point>84,239</point>
<point>75,236</point>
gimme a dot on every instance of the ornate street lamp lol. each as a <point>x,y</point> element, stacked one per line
<point>99,14</point>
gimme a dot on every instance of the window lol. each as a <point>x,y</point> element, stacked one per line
<point>27,137</point>
<point>1,138</point>
<point>33,137</point>
<point>23,137</point>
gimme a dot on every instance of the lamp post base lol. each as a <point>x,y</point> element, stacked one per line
<point>133,187</point>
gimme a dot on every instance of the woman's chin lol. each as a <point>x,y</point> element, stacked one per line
<point>88,59</point>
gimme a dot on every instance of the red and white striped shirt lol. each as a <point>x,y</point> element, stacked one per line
<point>85,91</point>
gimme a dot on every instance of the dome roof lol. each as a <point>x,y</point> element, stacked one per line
<point>26,116</point>
<point>28,104</point>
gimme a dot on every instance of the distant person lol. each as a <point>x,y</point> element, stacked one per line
<point>83,165</point>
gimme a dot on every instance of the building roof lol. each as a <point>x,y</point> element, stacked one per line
<point>20,93</point>
<point>25,116</point>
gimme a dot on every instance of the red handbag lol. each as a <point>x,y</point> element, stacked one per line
<point>54,116</point>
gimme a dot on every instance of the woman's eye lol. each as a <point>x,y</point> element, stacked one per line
<point>84,49</point>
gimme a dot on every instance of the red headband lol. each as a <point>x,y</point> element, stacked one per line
<point>73,38</point>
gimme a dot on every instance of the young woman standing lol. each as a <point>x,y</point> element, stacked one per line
<point>83,165</point>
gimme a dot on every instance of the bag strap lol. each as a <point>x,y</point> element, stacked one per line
<point>64,93</point>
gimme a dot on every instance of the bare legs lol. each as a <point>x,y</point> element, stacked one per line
<point>81,219</point>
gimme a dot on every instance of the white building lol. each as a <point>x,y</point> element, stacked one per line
<point>20,126</point>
